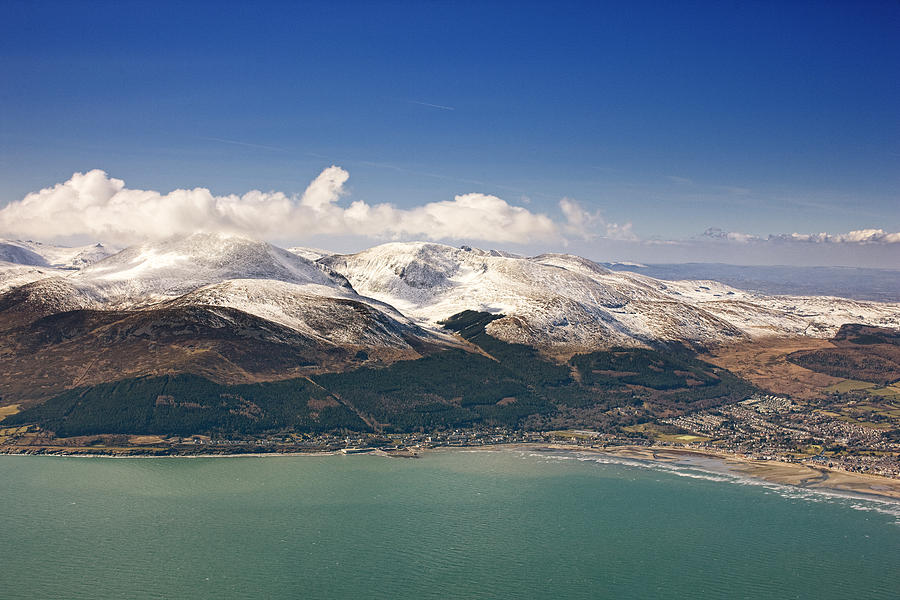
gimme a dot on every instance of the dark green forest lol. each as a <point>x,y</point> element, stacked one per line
<point>508,385</point>
<point>861,352</point>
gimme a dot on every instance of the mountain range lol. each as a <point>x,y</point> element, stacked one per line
<point>239,311</point>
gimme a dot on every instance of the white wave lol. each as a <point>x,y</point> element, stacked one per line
<point>692,471</point>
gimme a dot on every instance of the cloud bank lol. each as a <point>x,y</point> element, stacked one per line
<point>96,205</point>
<point>859,236</point>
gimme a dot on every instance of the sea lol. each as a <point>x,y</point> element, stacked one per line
<point>515,524</point>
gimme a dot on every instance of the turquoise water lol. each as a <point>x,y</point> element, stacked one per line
<point>509,524</point>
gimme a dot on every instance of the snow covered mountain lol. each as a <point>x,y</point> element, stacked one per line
<point>214,270</point>
<point>14,274</point>
<point>239,310</point>
<point>567,301</point>
<point>151,272</point>
<point>19,253</point>
<point>46,255</point>
<point>225,307</point>
<point>335,316</point>
<point>23,262</point>
<point>310,253</point>
<point>389,295</point>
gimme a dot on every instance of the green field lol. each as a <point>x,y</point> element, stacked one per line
<point>877,412</point>
<point>849,385</point>
<point>665,433</point>
<point>854,385</point>
<point>891,392</point>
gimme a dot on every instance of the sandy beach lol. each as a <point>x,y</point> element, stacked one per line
<point>793,474</point>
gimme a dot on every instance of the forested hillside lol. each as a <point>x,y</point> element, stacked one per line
<point>504,384</point>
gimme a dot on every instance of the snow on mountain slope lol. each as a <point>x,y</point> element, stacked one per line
<point>77,258</point>
<point>401,291</point>
<point>152,272</point>
<point>761,315</point>
<point>564,300</point>
<point>553,299</point>
<point>31,301</point>
<point>23,262</point>
<point>47,255</point>
<point>20,254</point>
<point>309,253</point>
<point>13,274</point>
<point>335,316</point>
<point>228,271</point>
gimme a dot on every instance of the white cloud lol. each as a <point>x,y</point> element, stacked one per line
<point>731,236</point>
<point>325,189</point>
<point>96,205</point>
<point>588,225</point>
<point>859,236</point>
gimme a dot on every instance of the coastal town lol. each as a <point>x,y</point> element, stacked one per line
<point>762,428</point>
<point>768,427</point>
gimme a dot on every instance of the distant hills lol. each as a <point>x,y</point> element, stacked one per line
<point>881,285</point>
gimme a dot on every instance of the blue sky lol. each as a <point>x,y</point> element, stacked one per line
<point>760,119</point>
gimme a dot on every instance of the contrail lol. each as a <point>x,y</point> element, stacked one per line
<point>247,144</point>
<point>440,106</point>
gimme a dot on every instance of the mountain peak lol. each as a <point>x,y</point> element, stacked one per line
<point>178,265</point>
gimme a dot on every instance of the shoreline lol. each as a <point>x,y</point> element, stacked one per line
<point>796,475</point>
